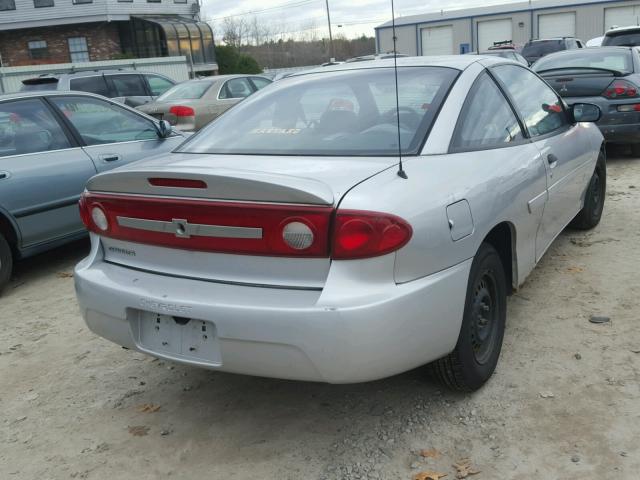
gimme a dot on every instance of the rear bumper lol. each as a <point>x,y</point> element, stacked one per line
<point>343,334</point>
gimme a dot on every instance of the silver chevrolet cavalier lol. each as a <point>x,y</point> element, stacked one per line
<point>288,240</point>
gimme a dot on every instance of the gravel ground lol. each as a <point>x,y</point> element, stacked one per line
<point>562,405</point>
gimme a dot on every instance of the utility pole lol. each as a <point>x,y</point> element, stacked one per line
<point>330,35</point>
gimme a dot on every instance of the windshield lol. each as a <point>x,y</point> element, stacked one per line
<point>598,58</point>
<point>630,39</point>
<point>541,48</point>
<point>335,113</point>
<point>187,91</point>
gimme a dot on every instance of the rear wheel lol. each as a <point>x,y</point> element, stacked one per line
<point>591,213</point>
<point>476,354</point>
<point>6,262</point>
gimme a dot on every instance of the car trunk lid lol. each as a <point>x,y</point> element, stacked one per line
<point>579,83</point>
<point>221,217</point>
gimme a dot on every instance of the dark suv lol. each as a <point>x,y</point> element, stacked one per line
<point>536,49</point>
<point>132,88</point>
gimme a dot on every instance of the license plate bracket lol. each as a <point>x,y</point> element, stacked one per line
<point>177,337</point>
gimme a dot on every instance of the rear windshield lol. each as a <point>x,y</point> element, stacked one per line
<point>630,39</point>
<point>187,91</point>
<point>597,58</point>
<point>39,85</point>
<point>542,48</point>
<point>334,113</point>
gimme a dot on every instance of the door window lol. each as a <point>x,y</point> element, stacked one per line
<point>487,120</point>
<point>128,85</point>
<point>541,109</point>
<point>27,126</point>
<point>260,83</point>
<point>236,88</point>
<point>95,84</point>
<point>158,85</point>
<point>99,122</point>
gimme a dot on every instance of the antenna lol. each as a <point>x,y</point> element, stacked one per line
<point>401,172</point>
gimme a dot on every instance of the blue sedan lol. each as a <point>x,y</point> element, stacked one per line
<point>51,143</point>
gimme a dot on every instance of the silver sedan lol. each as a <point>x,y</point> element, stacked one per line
<point>287,239</point>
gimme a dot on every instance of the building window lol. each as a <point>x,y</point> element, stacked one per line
<point>179,1</point>
<point>154,1</point>
<point>42,3</point>
<point>78,49</point>
<point>80,2</point>
<point>7,5</point>
<point>38,49</point>
<point>125,1</point>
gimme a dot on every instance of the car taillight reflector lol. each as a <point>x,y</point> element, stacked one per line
<point>629,108</point>
<point>621,89</point>
<point>182,111</point>
<point>359,234</point>
<point>202,225</point>
<point>177,182</point>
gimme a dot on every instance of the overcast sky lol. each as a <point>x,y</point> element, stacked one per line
<point>357,17</point>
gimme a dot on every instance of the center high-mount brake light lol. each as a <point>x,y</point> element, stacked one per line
<point>621,89</point>
<point>177,182</point>
<point>182,111</point>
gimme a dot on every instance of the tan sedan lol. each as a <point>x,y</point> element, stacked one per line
<point>191,105</point>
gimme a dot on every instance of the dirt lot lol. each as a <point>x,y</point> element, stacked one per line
<point>564,404</point>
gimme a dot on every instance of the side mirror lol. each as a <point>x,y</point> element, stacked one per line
<point>164,129</point>
<point>585,112</point>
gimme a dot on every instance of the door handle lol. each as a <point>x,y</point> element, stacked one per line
<point>552,160</point>
<point>110,157</point>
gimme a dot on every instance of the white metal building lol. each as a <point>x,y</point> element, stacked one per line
<point>476,29</point>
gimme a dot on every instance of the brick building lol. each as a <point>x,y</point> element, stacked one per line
<point>36,32</point>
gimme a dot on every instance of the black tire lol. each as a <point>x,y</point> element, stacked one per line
<point>591,213</point>
<point>476,355</point>
<point>6,262</point>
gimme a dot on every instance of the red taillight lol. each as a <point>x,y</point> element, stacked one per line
<point>177,183</point>
<point>85,216</point>
<point>635,107</point>
<point>182,111</point>
<point>227,227</point>
<point>621,89</point>
<point>360,234</point>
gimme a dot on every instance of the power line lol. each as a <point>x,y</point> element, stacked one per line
<point>297,3</point>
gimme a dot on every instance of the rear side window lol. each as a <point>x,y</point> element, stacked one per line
<point>236,88</point>
<point>487,120</point>
<point>95,84</point>
<point>27,126</point>
<point>128,85</point>
<point>540,107</point>
<point>260,83</point>
<point>158,85</point>
<point>332,114</point>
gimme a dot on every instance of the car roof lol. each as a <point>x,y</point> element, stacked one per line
<point>49,93</point>
<point>458,62</point>
<point>91,73</point>
<point>617,30</point>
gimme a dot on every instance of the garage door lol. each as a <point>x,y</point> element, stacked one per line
<point>557,25</point>
<point>437,41</point>
<point>621,16</point>
<point>493,31</point>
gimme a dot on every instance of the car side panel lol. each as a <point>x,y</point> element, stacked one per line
<point>42,191</point>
